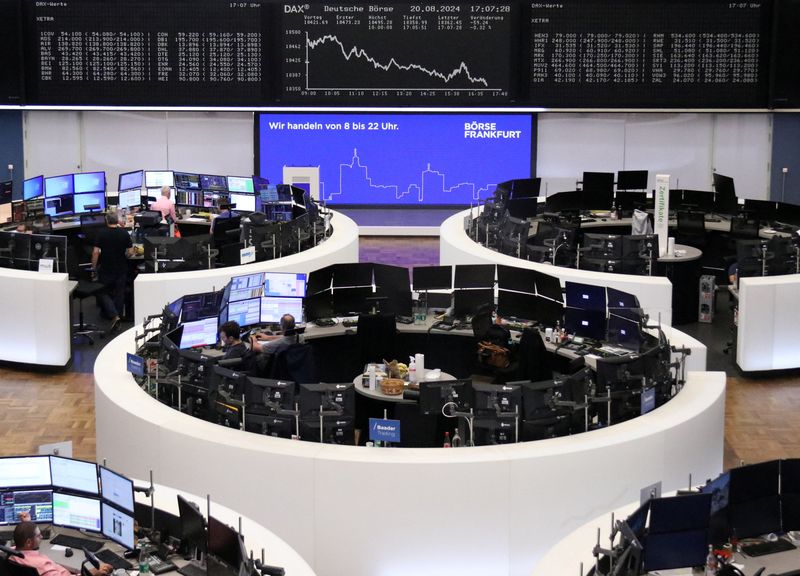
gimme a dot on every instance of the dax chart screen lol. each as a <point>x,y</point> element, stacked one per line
<point>407,52</point>
<point>399,159</point>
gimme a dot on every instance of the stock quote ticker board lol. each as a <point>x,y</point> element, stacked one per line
<point>398,53</point>
<point>630,53</point>
<point>146,52</point>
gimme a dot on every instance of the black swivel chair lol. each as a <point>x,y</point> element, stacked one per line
<point>691,228</point>
<point>485,330</point>
<point>296,363</point>
<point>14,569</point>
<point>85,288</point>
<point>377,338</point>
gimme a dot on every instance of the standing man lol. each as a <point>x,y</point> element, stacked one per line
<point>165,205</point>
<point>112,249</point>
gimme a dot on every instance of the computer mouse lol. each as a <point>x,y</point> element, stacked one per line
<point>772,537</point>
<point>68,552</point>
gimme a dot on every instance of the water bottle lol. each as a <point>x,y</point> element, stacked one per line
<point>446,440</point>
<point>712,565</point>
<point>144,565</point>
<point>456,442</point>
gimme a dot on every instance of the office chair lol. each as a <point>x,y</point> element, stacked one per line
<point>14,569</point>
<point>534,361</point>
<point>221,228</point>
<point>641,225</point>
<point>86,288</point>
<point>296,363</point>
<point>691,229</point>
<point>377,338</point>
<point>485,330</point>
<point>744,228</point>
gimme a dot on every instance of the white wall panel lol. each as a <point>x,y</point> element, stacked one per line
<point>211,142</point>
<point>52,142</point>
<point>742,150</point>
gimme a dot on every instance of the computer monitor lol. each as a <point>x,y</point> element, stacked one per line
<point>432,278</point>
<point>549,312</point>
<point>762,209</point>
<point>193,526</point>
<point>353,301</point>
<point>159,178</point>
<point>516,305</point>
<point>351,275</point>
<point>585,296</point>
<point>37,503</point>
<point>32,188</point>
<point>698,199</point>
<point>678,532</point>
<point>632,180</point>
<point>724,185</point>
<point>434,394</point>
<point>494,398</point>
<point>474,276</point>
<point>79,512</point>
<point>525,187</point>
<point>284,284</point>
<point>598,190</point>
<point>243,202</point>
<point>213,183</point>
<point>22,471</point>
<point>241,184</point>
<point>59,186</point>
<point>225,543</point>
<point>117,526</point>
<point>629,201</point>
<point>244,312</point>
<point>319,305</point>
<point>268,193</point>
<point>86,182</point>
<point>719,489</point>
<point>89,202</point>
<point>753,499</point>
<point>273,307</point>
<point>549,286</point>
<point>129,198</point>
<point>187,181</point>
<point>470,302</point>
<point>608,246</point>
<point>637,520</point>
<point>538,398</point>
<point>585,323</point>
<point>201,306</point>
<point>200,333</point>
<point>6,192</point>
<point>69,474</point>
<point>59,205</point>
<point>131,180</point>
<point>624,332</point>
<point>338,398</point>
<point>116,488</point>
<point>516,279</point>
<point>619,299</point>
<point>641,247</point>
<point>272,394</point>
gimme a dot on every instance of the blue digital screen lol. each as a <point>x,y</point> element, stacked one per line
<point>399,159</point>
<point>131,180</point>
<point>58,185</point>
<point>90,182</point>
<point>92,199</point>
<point>32,188</point>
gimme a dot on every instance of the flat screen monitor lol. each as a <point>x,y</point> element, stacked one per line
<point>187,181</point>
<point>159,178</point>
<point>608,246</point>
<point>320,280</point>
<point>637,521</point>
<point>243,202</point>
<point>273,307</point>
<point>213,183</point>
<point>525,187</point>
<point>90,182</point>
<point>200,333</point>
<point>632,180</point>
<point>319,305</point>
<point>274,394</point>
<point>201,306</point>
<point>516,305</point>
<point>433,395</point>
<point>130,198</point>
<point>598,190</point>
<point>643,247</point>
<point>21,471</point>
<point>247,281</point>
<point>245,293</point>
<point>620,299</point>
<point>549,312</point>
<point>762,209</point>
<point>244,312</point>
<point>474,276</point>
<point>32,187</point>
<point>193,525</point>
<point>724,185</point>
<point>629,201</point>
<point>131,180</point>
<point>517,279</point>
<point>269,194</point>
<point>79,512</point>
<point>754,481</point>
<point>6,192</point>
<point>37,503</point>
<point>116,489</point>
<point>432,278</point>
<point>549,286</point>
<point>58,186</point>
<point>331,397</point>
<point>585,323</point>
<point>225,543</point>
<point>89,202</point>
<point>678,532</point>
<point>284,284</point>
<point>241,184</point>
<point>59,205</point>
<point>117,526</point>
<point>697,198</point>
<point>753,500</point>
<point>469,302</point>
<point>70,474</point>
<point>492,398</point>
<point>351,275</point>
<point>585,296</point>
<point>624,332</point>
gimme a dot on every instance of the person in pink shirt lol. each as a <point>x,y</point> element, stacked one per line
<point>27,538</point>
<point>164,204</point>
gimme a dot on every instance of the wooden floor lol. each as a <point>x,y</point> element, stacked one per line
<point>39,408</point>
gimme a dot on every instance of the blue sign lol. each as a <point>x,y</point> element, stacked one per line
<point>135,364</point>
<point>648,400</point>
<point>384,430</point>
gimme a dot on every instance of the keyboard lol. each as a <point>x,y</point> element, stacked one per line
<point>78,543</point>
<point>159,566</point>
<point>350,322</point>
<point>192,569</point>
<point>115,560</point>
<point>764,548</point>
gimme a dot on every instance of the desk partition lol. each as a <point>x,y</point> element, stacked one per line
<point>654,292</point>
<point>389,512</point>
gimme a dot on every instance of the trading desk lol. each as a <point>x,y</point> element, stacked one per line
<point>367,511</point>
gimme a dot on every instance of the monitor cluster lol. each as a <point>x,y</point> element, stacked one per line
<point>70,493</point>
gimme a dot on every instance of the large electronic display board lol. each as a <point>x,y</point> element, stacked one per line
<point>444,159</point>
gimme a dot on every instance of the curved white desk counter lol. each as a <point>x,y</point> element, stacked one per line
<point>152,291</point>
<point>391,512</point>
<point>456,247</point>
<point>35,317</point>
<point>276,551</point>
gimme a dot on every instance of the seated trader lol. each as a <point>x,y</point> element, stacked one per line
<point>164,204</point>
<point>224,212</point>
<point>112,248</point>
<point>269,345</point>
<point>231,343</point>
<point>27,538</point>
